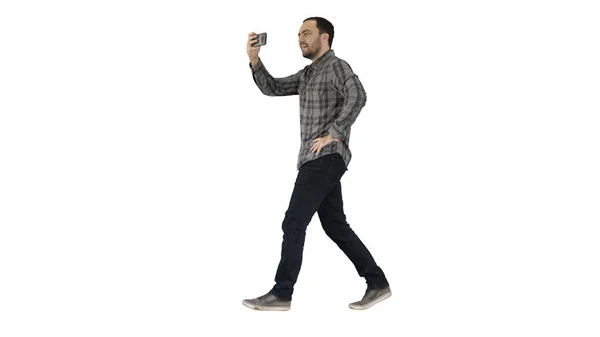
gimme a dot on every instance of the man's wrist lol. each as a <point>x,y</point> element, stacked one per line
<point>335,139</point>
<point>334,134</point>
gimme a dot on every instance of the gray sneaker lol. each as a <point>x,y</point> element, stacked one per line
<point>267,302</point>
<point>372,297</point>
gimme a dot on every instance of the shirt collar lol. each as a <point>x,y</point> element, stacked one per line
<point>318,64</point>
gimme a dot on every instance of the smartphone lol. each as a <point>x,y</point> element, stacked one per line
<point>262,40</point>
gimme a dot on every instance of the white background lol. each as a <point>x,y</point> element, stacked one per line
<point>144,177</point>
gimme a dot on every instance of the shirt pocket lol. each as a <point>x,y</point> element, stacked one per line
<point>316,96</point>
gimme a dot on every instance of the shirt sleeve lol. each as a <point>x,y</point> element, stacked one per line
<point>271,86</point>
<point>355,98</point>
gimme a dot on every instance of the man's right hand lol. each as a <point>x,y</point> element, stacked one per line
<point>252,51</point>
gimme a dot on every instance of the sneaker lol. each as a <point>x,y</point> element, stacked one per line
<point>372,297</point>
<point>267,302</point>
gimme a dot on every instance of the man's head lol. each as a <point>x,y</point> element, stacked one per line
<point>315,37</point>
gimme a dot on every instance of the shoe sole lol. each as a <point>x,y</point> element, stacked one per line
<point>372,303</point>
<point>265,308</point>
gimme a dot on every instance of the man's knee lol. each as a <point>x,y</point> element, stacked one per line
<point>294,229</point>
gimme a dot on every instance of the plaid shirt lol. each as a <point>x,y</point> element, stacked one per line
<point>331,97</point>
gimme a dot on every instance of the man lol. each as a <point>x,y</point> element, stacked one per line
<point>331,97</point>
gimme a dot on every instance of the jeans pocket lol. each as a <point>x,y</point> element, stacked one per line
<point>306,173</point>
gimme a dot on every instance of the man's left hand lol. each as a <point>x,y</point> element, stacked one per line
<point>320,143</point>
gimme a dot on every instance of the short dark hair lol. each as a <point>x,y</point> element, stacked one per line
<point>324,26</point>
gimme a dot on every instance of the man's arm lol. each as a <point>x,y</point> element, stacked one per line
<point>271,86</point>
<point>355,98</point>
<point>266,83</point>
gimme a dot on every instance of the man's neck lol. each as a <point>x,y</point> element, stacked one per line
<point>323,51</point>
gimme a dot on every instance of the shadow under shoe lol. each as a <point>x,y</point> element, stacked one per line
<point>267,302</point>
<point>371,297</point>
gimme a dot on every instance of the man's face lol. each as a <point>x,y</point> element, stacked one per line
<point>309,39</point>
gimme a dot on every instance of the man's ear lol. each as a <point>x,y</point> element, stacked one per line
<point>326,37</point>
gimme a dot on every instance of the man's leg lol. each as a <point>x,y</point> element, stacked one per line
<point>333,220</point>
<point>314,181</point>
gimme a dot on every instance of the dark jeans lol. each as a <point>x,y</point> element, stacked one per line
<point>318,189</point>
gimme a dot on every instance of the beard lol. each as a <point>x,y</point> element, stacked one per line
<point>312,50</point>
